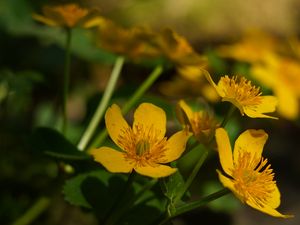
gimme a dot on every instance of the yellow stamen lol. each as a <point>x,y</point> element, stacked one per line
<point>142,145</point>
<point>241,90</point>
<point>251,180</point>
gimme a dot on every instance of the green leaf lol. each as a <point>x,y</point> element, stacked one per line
<point>172,186</point>
<point>96,190</point>
<point>55,144</point>
<point>74,193</point>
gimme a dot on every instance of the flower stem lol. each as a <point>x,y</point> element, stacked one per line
<point>195,204</point>
<point>66,79</point>
<point>95,121</point>
<point>134,98</point>
<point>192,175</point>
<point>31,214</point>
<point>228,115</point>
<point>109,219</point>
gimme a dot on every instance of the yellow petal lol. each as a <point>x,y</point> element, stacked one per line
<point>150,116</point>
<point>188,111</point>
<point>251,141</point>
<point>268,104</point>
<point>94,22</point>
<point>267,209</point>
<point>184,113</point>
<point>274,201</point>
<point>288,105</point>
<point>115,123</point>
<point>226,182</point>
<point>175,146</point>
<point>264,74</point>
<point>113,160</point>
<point>235,103</point>
<point>217,87</point>
<point>44,20</point>
<point>224,149</point>
<point>156,171</point>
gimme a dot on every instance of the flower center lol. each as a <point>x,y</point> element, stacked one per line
<point>143,145</point>
<point>252,181</point>
<point>241,90</point>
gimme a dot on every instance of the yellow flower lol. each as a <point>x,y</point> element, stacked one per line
<point>247,174</point>
<point>135,42</point>
<point>200,123</point>
<point>67,15</point>
<point>245,96</point>
<point>253,47</point>
<point>144,147</point>
<point>178,50</point>
<point>282,75</point>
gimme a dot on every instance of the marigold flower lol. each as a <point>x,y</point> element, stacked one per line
<point>245,96</point>
<point>144,147</point>
<point>67,15</point>
<point>200,123</point>
<point>247,174</point>
<point>282,75</point>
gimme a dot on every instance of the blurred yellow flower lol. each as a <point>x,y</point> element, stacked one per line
<point>245,96</point>
<point>200,123</point>
<point>253,47</point>
<point>282,75</point>
<point>247,174</point>
<point>135,42</point>
<point>181,86</point>
<point>67,15</point>
<point>177,49</point>
<point>144,147</point>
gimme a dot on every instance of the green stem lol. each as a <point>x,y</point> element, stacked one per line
<point>192,175</point>
<point>109,219</point>
<point>132,101</point>
<point>228,115</point>
<point>95,121</point>
<point>195,204</point>
<point>31,214</point>
<point>142,89</point>
<point>66,79</point>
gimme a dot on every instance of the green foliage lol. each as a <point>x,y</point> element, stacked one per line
<point>16,89</point>
<point>55,144</point>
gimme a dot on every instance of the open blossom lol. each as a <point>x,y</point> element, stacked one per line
<point>247,173</point>
<point>200,123</point>
<point>144,147</point>
<point>245,96</point>
<point>66,15</point>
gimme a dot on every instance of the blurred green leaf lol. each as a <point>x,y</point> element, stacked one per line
<point>54,144</point>
<point>218,65</point>
<point>73,191</point>
<point>16,89</point>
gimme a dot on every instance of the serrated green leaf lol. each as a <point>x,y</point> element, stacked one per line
<point>52,143</point>
<point>173,185</point>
